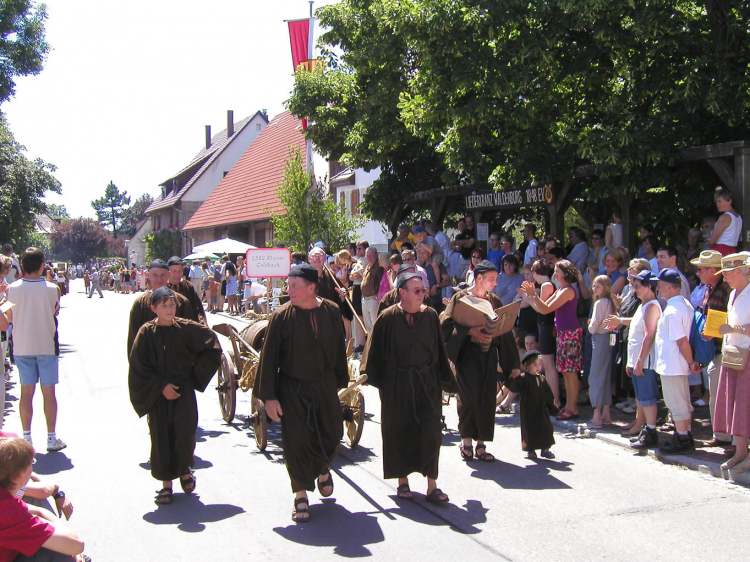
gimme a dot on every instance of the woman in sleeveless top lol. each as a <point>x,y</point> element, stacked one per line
<point>641,362</point>
<point>727,231</point>
<point>545,324</point>
<point>569,357</point>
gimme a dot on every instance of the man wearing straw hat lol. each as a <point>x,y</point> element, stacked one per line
<point>707,352</point>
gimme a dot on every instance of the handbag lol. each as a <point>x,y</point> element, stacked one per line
<point>733,357</point>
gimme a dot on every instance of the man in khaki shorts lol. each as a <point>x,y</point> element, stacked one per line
<point>674,359</point>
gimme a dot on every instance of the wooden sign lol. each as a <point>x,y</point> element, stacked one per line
<point>509,198</point>
<point>268,262</point>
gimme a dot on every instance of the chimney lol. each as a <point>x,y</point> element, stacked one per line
<point>208,137</point>
<point>230,123</point>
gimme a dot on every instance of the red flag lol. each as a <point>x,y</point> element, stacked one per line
<point>299,37</point>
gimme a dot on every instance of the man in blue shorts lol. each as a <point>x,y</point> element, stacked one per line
<point>35,304</point>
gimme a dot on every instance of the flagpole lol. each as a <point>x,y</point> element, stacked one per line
<point>310,57</point>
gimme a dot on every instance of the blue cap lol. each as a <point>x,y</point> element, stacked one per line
<point>646,276</point>
<point>418,229</point>
<point>670,275</point>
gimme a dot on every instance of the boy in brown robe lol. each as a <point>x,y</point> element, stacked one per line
<point>171,358</point>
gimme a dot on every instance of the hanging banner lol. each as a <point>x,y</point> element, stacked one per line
<point>509,198</point>
<point>300,39</point>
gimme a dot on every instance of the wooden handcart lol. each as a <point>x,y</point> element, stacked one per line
<point>238,369</point>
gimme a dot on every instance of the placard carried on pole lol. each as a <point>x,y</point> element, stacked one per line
<point>483,231</point>
<point>268,262</point>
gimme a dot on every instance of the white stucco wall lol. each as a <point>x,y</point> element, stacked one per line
<point>376,233</point>
<point>136,247</point>
<point>211,177</point>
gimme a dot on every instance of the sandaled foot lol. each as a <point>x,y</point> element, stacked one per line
<point>325,487</point>
<point>467,452</point>
<point>531,455</point>
<point>547,454</point>
<point>404,492</point>
<point>483,455</point>
<point>437,496</point>
<point>301,513</point>
<point>164,496</point>
<point>188,483</point>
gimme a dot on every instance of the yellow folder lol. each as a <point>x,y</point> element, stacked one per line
<point>715,319</point>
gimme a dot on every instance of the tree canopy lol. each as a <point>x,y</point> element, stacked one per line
<point>22,42</point>
<point>112,208</point>
<point>506,93</point>
<point>79,240</point>
<point>23,185</point>
<point>135,213</point>
<point>310,215</point>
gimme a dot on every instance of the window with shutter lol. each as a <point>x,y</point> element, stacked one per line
<point>355,201</point>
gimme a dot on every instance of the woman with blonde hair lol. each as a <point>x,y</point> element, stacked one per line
<point>600,374</point>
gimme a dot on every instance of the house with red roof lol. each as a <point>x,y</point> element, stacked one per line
<point>184,192</point>
<point>242,204</point>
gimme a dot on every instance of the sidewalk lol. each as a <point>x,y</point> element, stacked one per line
<point>704,459</point>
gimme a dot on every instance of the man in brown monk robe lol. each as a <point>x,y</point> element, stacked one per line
<point>392,296</point>
<point>141,312</point>
<point>405,359</point>
<point>170,359</point>
<point>180,285</point>
<point>477,370</point>
<point>302,366</point>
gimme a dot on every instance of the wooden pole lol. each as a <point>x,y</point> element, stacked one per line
<point>346,298</point>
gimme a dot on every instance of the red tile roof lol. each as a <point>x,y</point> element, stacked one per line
<point>249,191</point>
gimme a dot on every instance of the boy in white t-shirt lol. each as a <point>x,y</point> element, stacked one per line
<point>35,305</point>
<point>674,358</point>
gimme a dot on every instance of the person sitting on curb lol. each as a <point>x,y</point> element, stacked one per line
<point>29,533</point>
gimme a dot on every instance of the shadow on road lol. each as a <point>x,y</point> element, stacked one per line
<point>52,463</point>
<point>190,514</point>
<point>532,477</point>
<point>202,435</point>
<point>462,520</point>
<point>332,525</point>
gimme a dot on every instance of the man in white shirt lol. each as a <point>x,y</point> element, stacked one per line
<point>195,275</point>
<point>35,304</point>
<point>674,359</point>
<point>666,258</point>
<point>95,280</point>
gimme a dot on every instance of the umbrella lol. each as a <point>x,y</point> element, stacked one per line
<point>223,246</point>
<point>201,256</point>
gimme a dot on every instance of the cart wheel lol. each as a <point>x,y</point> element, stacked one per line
<point>227,389</point>
<point>354,424</point>
<point>260,423</point>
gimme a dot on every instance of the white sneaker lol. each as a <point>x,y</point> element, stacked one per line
<point>56,445</point>
<point>29,440</point>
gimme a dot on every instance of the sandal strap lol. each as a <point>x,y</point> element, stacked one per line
<point>299,502</point>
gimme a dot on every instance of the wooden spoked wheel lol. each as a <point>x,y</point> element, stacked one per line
<point>354,420</point>
<point>227,389</point>
<point>260,423</point>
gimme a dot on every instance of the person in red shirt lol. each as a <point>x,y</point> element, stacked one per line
<point>29,533</point>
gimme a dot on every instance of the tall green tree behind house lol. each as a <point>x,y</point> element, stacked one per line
<point>23,46</point>
<point>56,212</point>
<point>23,185</point>
<point>135,213</point>
<point>310,215</point>
<point>112,207</point>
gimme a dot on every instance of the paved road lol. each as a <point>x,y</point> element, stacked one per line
<point>594,502</point>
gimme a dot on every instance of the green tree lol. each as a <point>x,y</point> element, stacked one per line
<point>310,215</point>
<point>163,244</point>
<point>57,212</point>
<point>79,239</point>
<point>23,185</point>
<point>112,207</point>
<point>22,42</point>
<point>135,213</point>
<point>505,93</point>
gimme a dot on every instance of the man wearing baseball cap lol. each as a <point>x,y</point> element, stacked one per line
<point>714,295</point>
<point>674,358</point>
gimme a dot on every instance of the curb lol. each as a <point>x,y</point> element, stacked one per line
<point>708,468</point>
